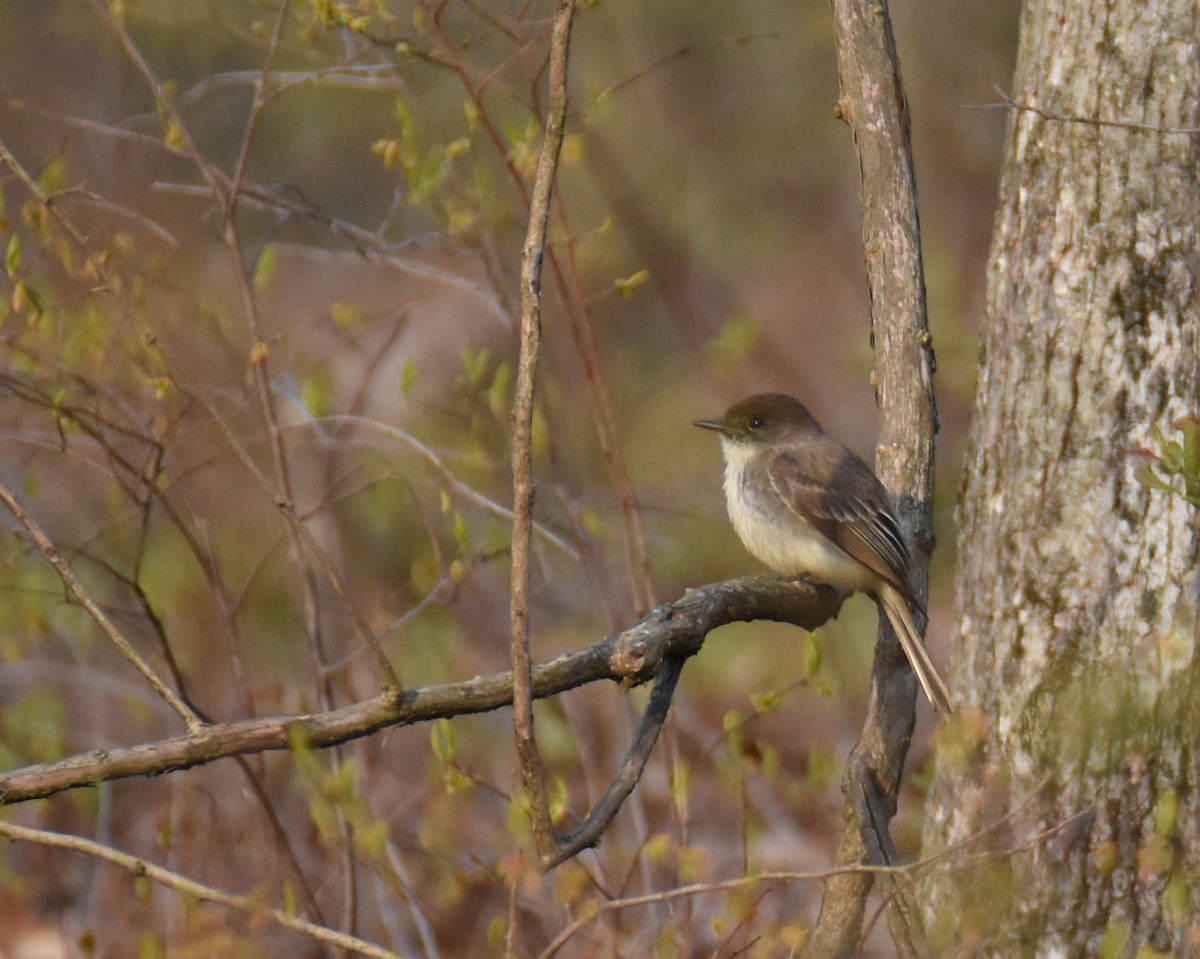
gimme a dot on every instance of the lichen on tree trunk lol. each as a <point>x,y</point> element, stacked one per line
<point>1077,586</point>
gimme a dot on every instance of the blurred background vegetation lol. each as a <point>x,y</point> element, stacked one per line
<point>707,244</point>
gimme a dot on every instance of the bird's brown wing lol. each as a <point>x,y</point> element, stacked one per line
<point>841,498</point>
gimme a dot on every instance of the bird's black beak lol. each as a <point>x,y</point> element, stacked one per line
<point>717,425</point>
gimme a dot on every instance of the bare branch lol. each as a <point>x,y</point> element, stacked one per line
<point>589,831</point>
<point>522,440</point>
<point>873,104</point>
<point>630,657</point>
<point>1027,106</point>
<point>189,887</point>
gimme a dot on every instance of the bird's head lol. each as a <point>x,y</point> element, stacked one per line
<point>763,419</point>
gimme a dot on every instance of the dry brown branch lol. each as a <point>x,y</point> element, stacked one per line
<point>957,857</point>
<point>189,887</point>
<point>726,885</point>
<point>532,257</point>
<point>873,104</point>
<point>630,657</point>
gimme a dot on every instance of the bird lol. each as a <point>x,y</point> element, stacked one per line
<point>805,505</point>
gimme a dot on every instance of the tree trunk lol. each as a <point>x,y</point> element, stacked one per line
<point>1078,586</point>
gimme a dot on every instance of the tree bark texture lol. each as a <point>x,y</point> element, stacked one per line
<point>872,102</point>
<point>1072,767</point>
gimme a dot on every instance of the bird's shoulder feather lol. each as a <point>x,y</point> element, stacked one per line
<point>837,494</point>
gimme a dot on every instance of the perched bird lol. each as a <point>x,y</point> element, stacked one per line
<point>807,506</point>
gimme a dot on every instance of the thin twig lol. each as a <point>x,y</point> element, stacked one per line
<point>261,95</point>
<point>1024,105</point>
<point>47,202</point>
<point>587,344</point>
<point>953,857</point>
<point>457,485</point>
<point>725,885</point>
<point>250,905</point>
<point>522,440</point>
<point>599,395</point>
<point>303,536</point>
<point>189,717</point>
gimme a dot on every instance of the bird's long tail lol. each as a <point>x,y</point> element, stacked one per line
<point>900,615</point>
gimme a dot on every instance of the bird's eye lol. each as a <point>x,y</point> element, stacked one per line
<point>757,422</point>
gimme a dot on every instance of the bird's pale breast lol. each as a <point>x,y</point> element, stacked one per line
<point>777,536</point>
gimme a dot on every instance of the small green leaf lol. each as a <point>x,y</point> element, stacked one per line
<point>812,653</point>
<point>1145,475</point>
<point>1116,938</point>
<point>735,341</point>
<point>460,531</point>
<point>559,800</point>
<point>345,783</point>
<point>441,737</point>
<point>1178,897</point>
<point>347,316</point>
<point>1190,428</point>
<point>770,762</point>
<point>766,701</point>
<point>316,392</point>
<point>408,376</point>
<point>12,259</point>
<point>590,520</point>
<point>499,394</point>
<point>371,840</point>
<point>1166,814</point>
<point>681,781</point>
<point>426,178</point>
<point>475,363</point>
<point>54,175</point>
<point>630,284</point>
<point>150,947</point>
<point>264,269</point>
<point>822,767</point>
<point>1172,457</point>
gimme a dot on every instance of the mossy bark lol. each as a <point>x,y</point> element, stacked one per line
<point>1078,587</point>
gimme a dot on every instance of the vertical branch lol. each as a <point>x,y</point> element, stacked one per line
<point>522,462</point>
<point>873,104</point>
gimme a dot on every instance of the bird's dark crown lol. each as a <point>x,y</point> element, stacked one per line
<point>764,417</point>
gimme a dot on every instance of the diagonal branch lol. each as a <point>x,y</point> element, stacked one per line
<point>630,657</point>
<point>189,887</point>
<point>189,717</point>
<point>589,831</point>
